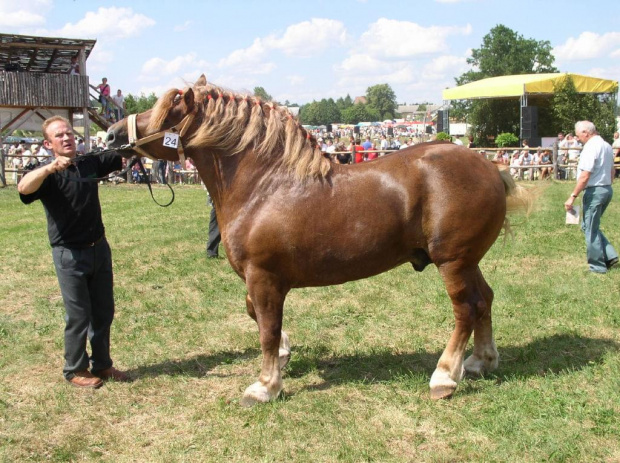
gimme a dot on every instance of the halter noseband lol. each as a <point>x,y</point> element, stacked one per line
<point>135,141</point>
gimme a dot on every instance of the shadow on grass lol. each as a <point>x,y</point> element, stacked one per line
<point>197,366</point>
<point>555,354</point>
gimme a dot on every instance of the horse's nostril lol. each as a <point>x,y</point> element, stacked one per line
<point>110,137</point>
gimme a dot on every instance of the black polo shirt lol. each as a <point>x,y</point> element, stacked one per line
<point>72,208</point>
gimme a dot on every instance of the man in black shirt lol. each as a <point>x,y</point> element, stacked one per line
<point>81,254</point>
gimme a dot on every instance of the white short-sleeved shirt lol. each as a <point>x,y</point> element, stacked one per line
<point>597,158</point>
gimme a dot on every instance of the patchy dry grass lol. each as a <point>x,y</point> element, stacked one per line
<point>357,384</point>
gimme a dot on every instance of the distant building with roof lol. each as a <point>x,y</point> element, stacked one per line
<point>413,112</point>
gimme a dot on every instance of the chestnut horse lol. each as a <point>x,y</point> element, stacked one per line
<point>280,203</point>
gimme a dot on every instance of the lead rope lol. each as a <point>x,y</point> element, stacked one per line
<point>134,160</point>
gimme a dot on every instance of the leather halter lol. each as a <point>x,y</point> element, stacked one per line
<point>135,141</point>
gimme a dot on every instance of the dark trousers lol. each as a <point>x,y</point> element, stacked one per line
<point>86,283</point>
<point>162,172</point>
<point>214,234</point>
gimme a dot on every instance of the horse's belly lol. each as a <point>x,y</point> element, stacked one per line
<point>329,266</point>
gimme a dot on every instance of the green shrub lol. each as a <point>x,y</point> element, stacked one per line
<point>443,136</point>
<point>506,139</point>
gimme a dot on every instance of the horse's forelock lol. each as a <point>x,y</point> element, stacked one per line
<point>161,109</point>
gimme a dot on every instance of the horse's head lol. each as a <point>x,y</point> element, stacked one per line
<point>157,133</point>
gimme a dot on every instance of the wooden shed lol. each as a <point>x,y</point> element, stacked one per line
<point>35,83</point>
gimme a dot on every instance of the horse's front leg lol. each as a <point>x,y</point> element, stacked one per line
<point>266,298</point>
<point>285,344</point>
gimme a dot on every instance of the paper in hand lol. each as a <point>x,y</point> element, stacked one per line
<point>572,216</point>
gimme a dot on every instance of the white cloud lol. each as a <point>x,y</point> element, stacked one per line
<point>396,52</point>
<point>589,45</point>
<point>309,38</point>
<point>23,14</point>
<point>392,39</point>
<point>445,66</point>
<point>100,57</point>
<point>304,39</point>
<point>244,57</point>
<point>187,65</point>
<point>295,80</point>
<point>183,27</point>
<point>359,63</point>
<point>109,23</point>
<point>612,72</point>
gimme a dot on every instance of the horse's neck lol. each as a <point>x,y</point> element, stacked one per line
<point>230,180</point>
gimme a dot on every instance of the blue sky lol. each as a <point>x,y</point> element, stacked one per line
<point>302,51</point>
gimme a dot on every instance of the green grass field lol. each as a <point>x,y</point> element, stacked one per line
<point>356,388</point>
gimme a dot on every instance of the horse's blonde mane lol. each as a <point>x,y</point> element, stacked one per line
<point>232,123</point>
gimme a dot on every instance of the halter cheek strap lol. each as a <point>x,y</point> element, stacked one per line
<point>135,141</point>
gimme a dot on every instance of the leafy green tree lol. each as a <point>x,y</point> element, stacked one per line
<point>568,106</point>
<point>262,94</point>
<point>309,114</point>
<point>139,104</point>
<point>320,113</point>
<point>329,111</point>
<point>443,136</point>
<point>344,103</point>
<point>382,100</point>
<point>359,113</point>
<point>503,52</point>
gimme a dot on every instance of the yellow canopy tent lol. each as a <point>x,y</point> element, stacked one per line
<point>522,86</point>
<point>526,84</point>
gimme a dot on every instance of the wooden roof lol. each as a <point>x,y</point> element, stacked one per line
<point>40,54</point>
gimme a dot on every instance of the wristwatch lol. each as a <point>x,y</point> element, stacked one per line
<point>573,195</point>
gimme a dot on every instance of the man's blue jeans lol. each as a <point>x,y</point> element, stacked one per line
<point>599,250</point>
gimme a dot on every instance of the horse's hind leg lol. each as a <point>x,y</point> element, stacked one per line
<point>285,346</point>
<point>485,356</point>
<point>468,301</point>
<point>265,304</point>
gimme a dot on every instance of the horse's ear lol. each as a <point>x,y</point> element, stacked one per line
<point>201,82</point>
<point>188,99</point>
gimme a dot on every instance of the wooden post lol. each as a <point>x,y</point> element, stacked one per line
<point>2,159</point>
<point>555,159</point>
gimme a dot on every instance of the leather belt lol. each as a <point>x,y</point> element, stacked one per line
<point>85,245</point>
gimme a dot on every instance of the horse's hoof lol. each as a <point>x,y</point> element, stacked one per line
<point>442,385</point>
<point>442,392</point>
<point>474,367</point>
<point>256,393</point>
<point>477,367</point>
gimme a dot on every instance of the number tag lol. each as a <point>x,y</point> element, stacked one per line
<point>171,140</point>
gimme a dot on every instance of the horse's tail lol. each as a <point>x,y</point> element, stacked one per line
<point>518,198</point>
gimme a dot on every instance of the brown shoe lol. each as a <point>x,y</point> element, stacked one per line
<point>112,373</point>
<point>85,379</point>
